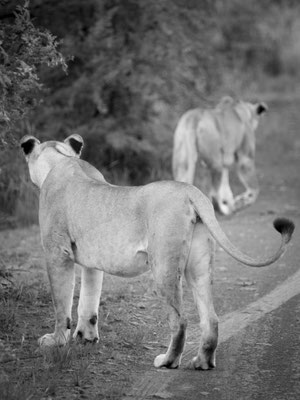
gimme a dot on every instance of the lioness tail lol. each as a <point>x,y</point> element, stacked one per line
<point>204,209</point>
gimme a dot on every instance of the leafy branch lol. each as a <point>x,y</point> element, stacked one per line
<point>23,49</point>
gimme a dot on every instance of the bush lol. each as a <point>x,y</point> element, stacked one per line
<point>23,50</point>
<point>136,67</point>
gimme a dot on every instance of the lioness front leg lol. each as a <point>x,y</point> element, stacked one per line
<point>61,274</point>
<point>90,292</point>
<point>199,278</point>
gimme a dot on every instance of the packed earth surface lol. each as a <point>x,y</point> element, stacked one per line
<point>132,322</point>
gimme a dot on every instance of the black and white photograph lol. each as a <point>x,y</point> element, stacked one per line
<point>149,199</point>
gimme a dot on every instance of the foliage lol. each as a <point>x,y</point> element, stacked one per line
<point>136,61</point>
<point>141,53</point>
<point>253,36</point>
<point>139,64</point>
<point>136,66</point>
<point>23,48</point>
<point>134,54</point>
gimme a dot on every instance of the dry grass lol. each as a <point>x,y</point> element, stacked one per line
<point>90,371</point>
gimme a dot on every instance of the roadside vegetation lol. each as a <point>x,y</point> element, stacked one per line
<point>120,73</point>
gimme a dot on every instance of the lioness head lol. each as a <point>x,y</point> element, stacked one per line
<point>42,157</point>
<point>251,112</point>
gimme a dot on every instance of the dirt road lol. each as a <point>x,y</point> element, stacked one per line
<point>133,326</point>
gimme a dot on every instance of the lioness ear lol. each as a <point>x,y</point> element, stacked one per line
<point>28,143</point>
<point>76,142</point>
<point>225,101</point>
<point>261,108</point>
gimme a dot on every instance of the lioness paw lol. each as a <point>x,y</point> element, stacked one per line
<point>52,339</point>
<point>245,199</point>
<point>163,361</point>
<point>79,336</point>
<point>197,363</point>
<point>86,333</point>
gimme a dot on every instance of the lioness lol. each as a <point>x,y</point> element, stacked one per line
<point>221,138</point>
<point>168,227</point>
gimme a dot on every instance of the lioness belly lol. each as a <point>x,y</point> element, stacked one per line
<point>124,262</point>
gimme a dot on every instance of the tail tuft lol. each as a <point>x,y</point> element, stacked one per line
<point>285,227</point>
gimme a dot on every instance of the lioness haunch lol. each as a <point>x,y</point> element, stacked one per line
<point>168,227</point>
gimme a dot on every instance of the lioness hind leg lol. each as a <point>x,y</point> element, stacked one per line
<point>247,175</point>
<point>245,199</point>
<point>172,358</point>
<point>221,193</point>
<point>90,293</point>
<point>168,265</point>
<point>199,278</point>
<point>61,274</point>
